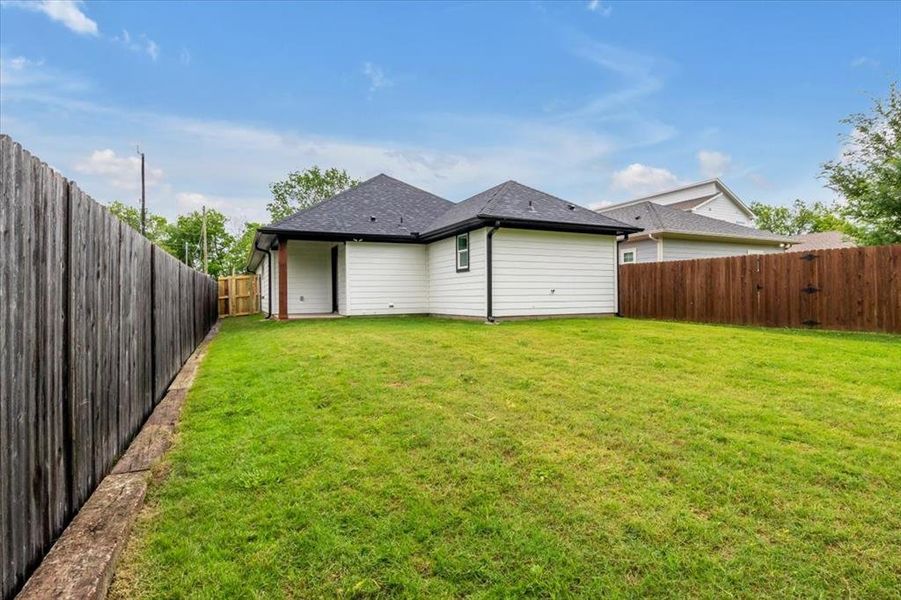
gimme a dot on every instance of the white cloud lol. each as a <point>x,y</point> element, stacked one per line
<point>142,44</point>
<point>376,77</point>
<point>713,164</point>
<point>67,12</point>
<point>184,57</point>
<point>865,61</point>
<point>642,179</point>
<point>121,172</point>
<point>602,8</point>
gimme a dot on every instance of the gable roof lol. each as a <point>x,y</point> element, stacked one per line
<point>381,206</point>
<point>657,218</point>
<point>512,201</point>
<point>692,203</point>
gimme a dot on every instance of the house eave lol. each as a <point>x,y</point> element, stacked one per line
<point>714,237</point>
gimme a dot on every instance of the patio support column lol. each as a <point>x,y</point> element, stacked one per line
<point>282,278</point>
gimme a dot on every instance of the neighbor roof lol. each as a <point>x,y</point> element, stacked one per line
<point>823,240</point>
<point>657,218</point>
<point>691,203</point>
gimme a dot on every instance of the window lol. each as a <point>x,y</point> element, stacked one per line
<point>463,252</point>
<point>628,256</point>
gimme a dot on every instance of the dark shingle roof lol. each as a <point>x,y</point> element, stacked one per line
<point>378,206</point>
<point>514,201</point>
<point>656,218</point>
<point>384,206</point>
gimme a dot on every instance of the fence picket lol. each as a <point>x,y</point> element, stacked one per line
<point>845,288</point>
<point>76,350</point>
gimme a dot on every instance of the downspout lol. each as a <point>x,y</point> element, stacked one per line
<point>659,242</point>
<point>489,316</point>
<point>269,277</point>
<point>616,272</point>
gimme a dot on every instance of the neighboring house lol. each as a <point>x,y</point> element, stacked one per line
<point>671,233</point>
<point>823,240</point>
<point>386,247</point>
<point>709,198</point>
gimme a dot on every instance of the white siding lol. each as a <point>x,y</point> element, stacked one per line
<point>263,273</point>
<point>384,279</point>
<point>342,279</point>
<point>645,250</point>
<point>681,249</point>
<point>689,193</point>
<point>452,293</point>
<point>309,277</point>
<point>722,207</point>
<point>550,273</point>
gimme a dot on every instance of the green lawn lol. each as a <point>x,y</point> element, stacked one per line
<point>423,457</point>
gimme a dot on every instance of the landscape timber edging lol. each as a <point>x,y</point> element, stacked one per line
<point>81,563</point>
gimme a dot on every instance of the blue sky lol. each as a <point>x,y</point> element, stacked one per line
<point>592,101</point>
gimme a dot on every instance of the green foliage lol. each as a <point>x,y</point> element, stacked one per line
<point>220,243</point>
<point>800,218</point>
<point>157,226</point>
<point>868,175</point>
<point>240,250</point>
<point>303,189</point>
<point>581,458</point>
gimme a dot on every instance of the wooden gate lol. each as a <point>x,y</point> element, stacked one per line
<point>239,295</point>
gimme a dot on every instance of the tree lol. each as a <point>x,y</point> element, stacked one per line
<point>800,218</point>
<point>157,226</point>
<point>186,231</point>
<point>240,250</point>
<point>868,175</point>
<point>303,189</point>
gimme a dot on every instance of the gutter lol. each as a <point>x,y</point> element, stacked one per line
<point>268,275</point>
<point>489,316</point>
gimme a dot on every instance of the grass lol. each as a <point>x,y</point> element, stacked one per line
<point>420,457</point>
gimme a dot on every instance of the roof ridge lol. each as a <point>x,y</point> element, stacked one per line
<point>497,190</point>
<point>419,189</point>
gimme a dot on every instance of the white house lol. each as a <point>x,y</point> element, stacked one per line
<point>386,247</point>
<point>702,220</point>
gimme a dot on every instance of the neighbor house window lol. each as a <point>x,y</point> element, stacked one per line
<point>629,256</point>
<point>463,252</point>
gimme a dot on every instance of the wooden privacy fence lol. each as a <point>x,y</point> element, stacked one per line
<point>239,295</point>
<point>95,322</point>
<point>847,288</point>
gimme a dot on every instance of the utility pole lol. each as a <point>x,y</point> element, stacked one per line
<point>187,262</point>
<point>203,236</point>
<point>143,198</point>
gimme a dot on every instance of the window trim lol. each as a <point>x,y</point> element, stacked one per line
<point>457,252</point>
<point>634,254</point>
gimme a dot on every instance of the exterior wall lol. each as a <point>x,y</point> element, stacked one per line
<point>385,279</point>
<point>263,273</point>
<point>645,250</point>
<point>452,293</point>
<point>309,277</point>
<point>342,279</point>
<point>690,193</point>
<point>683,249</point>
<point>274,282</point>
<point>550,273</point>
<point>723,208</point>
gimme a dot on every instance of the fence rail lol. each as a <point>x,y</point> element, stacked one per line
<point>95,322</point>
<point>239,295</point>
<point>848,288</point>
